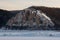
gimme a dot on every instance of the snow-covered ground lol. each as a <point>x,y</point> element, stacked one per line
<point>29,38</point>
<point>26,33</point>
<point>29,35</point>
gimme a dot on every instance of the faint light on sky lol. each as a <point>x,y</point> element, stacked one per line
<point>21,4</point>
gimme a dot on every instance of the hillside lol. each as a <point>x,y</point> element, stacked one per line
<point>29,19</point>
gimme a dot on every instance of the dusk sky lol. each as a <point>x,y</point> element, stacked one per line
<point>21,4</point>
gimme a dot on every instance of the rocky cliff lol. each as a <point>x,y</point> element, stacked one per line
<point>53,13</point>
<point>32,18</point>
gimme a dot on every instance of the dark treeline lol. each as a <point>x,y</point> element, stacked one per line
<point>5,16</point>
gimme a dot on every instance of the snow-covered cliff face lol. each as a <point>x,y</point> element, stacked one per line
<point>31,19</point>
<point>19,18</point>
<point>45,19</point>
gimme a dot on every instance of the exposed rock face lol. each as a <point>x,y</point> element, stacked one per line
<point>30,19</point>
<point>53,13</point>
<point>34,17</point>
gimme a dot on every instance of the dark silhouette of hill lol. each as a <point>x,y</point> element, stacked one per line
<point>5,16</point>
<point>53,13</point>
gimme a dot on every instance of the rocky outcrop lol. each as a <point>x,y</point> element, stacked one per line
<point>53,13</point>
<point>32,18</point>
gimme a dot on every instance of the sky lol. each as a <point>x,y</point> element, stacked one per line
<point>21,4</point>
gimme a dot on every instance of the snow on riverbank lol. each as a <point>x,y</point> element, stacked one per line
<point>29,35</point>
<point>25,33</point>
<point>29,38</point>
